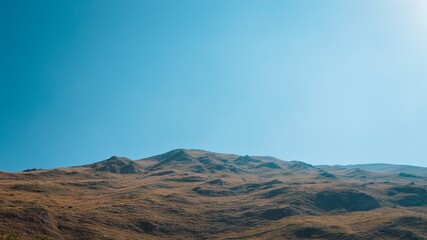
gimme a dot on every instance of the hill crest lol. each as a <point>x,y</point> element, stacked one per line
<point>197,194</point>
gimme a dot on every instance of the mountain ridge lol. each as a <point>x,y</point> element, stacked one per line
<point>197,194</point>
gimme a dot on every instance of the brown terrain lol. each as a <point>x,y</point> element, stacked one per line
<point>195,194</point>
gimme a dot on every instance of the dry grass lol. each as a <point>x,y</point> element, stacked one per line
<point>255,200</point>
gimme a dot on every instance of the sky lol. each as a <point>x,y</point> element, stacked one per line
<point>324,82</point>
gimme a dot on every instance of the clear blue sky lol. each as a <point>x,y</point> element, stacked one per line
<point>325,82</point>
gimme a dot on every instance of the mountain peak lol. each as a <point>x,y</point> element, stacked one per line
<point>116,164</point>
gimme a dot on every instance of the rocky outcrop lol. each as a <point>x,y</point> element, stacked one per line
<point>271,165</point>
<point>117,165</point>
<point>345,200</point>
<point>409,196</point>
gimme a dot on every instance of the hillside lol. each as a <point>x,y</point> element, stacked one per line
<point>390,168</point>
<point>195,194</point>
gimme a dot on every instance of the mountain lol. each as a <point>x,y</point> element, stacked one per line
<point>196,194</point>
<point>389,168</point>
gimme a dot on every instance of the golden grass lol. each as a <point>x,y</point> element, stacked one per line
<point>73,203</point>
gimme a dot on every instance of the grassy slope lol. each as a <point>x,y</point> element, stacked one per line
<point>179,195</point>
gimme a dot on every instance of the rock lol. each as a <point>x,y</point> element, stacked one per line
<point>198,169</point>
<point>276,213</point>
<point>275,192</point>
<point>269,165</point>
<point>117,165</point>
<point>244,160</point>
<point>28,188</point>
<point>146,226</point>
<point>300,165</point>
<point>163,173</point>
<point>327,175</point>
<point>250,187</point>
<point>32,170</point>
<point>187,179</point>
<point>348,200</point>
<point>213,193</point>
<point>216,182</point>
